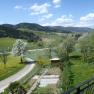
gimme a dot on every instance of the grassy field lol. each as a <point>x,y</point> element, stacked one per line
<point>51,39</point>
<point>48,40</point>
<point>35,54</point>
<point>12,67</point>
<point>6,42</point>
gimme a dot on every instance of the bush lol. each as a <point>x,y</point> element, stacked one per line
<point>15,88</point>
<point>43,61</point>
<point>75,57</point>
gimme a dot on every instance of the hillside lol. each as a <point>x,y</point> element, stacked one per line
<point>10,31</point>
<point>37,27</point>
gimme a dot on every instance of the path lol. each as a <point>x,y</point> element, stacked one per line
<point>38,49</point>
<point>16,77</point>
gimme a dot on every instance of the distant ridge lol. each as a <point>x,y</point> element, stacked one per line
<point>71,29</point>
<point>37,27</point>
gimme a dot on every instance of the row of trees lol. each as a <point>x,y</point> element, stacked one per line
<point>86,48</point>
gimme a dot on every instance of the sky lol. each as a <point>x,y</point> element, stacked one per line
<point>77,13</point>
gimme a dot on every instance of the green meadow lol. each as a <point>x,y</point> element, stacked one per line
<point>6,43</point>
<point>13,65</point>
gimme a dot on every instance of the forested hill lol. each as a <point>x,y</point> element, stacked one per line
<point>37,27</point>
<point>12,32</point>
<point>71,29</point>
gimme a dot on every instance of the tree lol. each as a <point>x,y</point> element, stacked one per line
<point>67,77</point>
<point>65,64</point>
<point>87,48</point>
<point>67,48</point>
<point>40,44</point>
<point>19,48</point>
<point>50,52</point>
<point>3,56</point>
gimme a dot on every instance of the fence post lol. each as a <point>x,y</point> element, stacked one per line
<point>78,90</point>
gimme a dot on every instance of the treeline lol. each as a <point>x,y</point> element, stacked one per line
<point>14,33</point>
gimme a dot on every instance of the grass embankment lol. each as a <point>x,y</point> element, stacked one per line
<point>82,71</point>
<point>13,65</point>
<point>26,81</point>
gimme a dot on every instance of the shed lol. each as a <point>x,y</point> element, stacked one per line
<point>55,60</point>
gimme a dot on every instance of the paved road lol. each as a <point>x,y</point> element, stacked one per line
<point>16,77</point>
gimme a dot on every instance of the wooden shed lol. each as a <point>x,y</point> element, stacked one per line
<point>55,61</point>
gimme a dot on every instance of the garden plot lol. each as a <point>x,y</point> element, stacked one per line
<point>47,80</point>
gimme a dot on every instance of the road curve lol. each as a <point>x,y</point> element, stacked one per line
<point>16,77</point>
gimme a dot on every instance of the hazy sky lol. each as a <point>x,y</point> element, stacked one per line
<point>48,12</point>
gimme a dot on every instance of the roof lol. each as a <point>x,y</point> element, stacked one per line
<point>55,59</point>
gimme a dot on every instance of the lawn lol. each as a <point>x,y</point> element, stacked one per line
<point>12,67</point>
